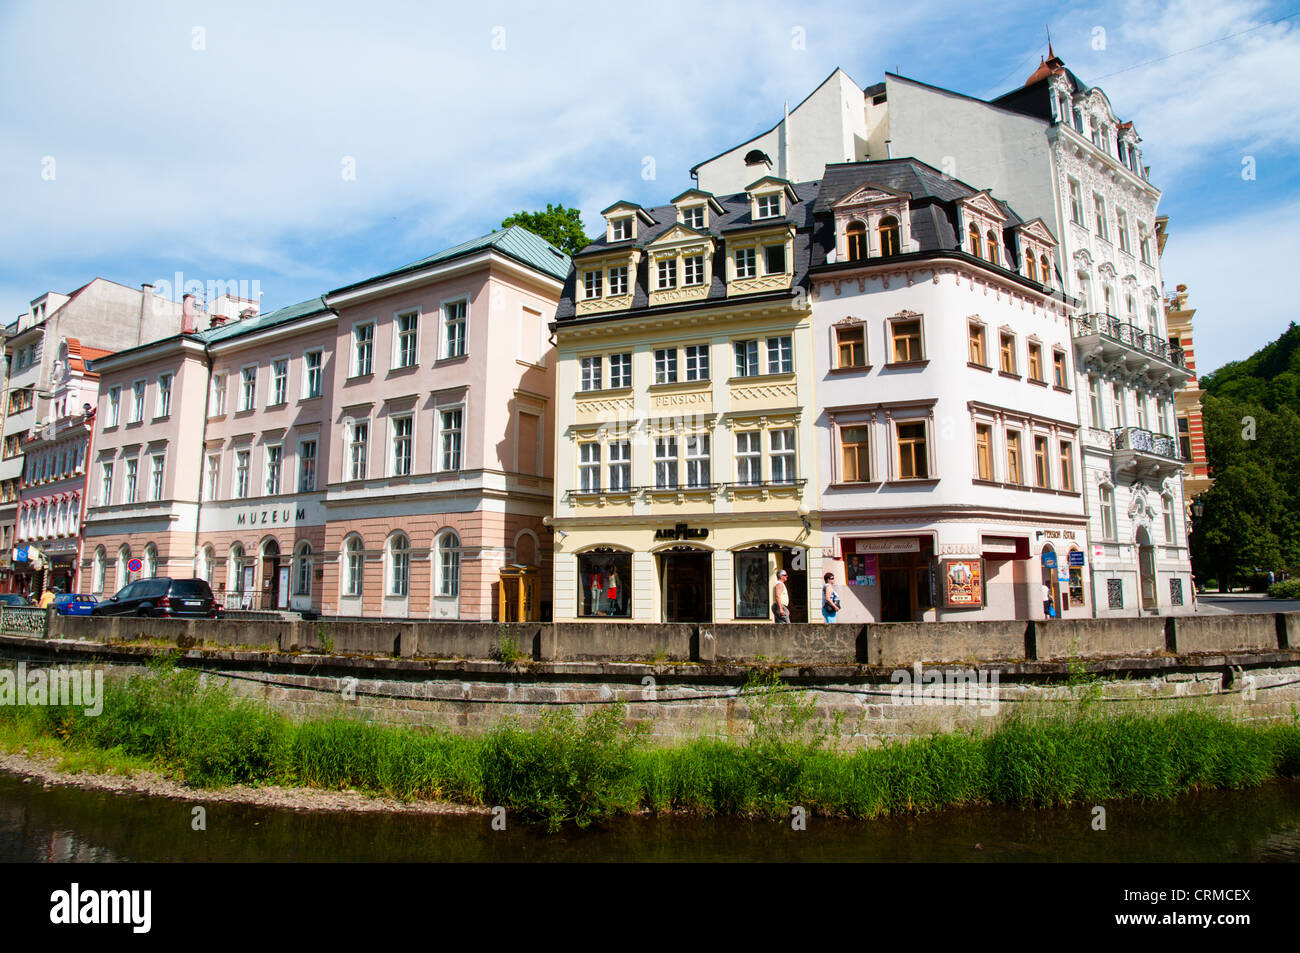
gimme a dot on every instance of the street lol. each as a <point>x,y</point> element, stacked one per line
<point>1215,603</point>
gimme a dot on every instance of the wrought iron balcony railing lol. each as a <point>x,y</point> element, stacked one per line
<point>1112,327</point>
<point>1144,441</point>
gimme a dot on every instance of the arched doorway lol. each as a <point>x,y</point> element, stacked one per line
<point>271,583</point>
<point>754,572</point>
<point>1051,588</point>
<point>686,575</point>
<point>1146,568</point>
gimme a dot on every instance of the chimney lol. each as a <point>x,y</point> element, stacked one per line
<point>187,314</point>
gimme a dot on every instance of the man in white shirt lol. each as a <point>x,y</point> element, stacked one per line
<point>781,598</point>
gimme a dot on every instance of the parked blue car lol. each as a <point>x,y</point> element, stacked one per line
<point>74,603</point>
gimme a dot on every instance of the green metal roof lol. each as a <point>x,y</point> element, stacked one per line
<point>516,241</point>
<point>293,312</point>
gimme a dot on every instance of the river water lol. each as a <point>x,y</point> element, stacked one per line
<point>65,824</point>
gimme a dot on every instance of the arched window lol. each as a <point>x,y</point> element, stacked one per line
<point>97,575</point>
<point>150,560</point>
<point>448,564</point>
<point>123,574</point>
<point>1046,270</point>
<point>889,241</point>
<point>992,246</point>
<point>206,560</point>
<point>1109,294</point>
<point>353,566</point>
<point>857,236</point>
<point>234,569</point>
<point>302,569</point>
<point>974,234</point>
<point>1031,268</point>
<point>399,565</point>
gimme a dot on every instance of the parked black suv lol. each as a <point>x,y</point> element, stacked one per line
<point>163,597</point>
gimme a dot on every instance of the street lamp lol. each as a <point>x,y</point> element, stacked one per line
<point>1198,509</point>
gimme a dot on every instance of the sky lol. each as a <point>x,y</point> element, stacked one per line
<point>297,148</point>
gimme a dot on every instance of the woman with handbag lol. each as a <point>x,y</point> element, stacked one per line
<point>830,600</point>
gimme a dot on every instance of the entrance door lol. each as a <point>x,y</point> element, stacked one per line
<point>797,585</point>
<point>1147,572</point>
<point>895,595</point>
<point>688,586</point>
<point>270,575</point>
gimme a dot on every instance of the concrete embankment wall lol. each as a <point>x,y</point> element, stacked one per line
<point>881,682</point>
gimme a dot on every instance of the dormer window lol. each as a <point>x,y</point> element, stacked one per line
<point>620,229</point>
<point>667,274</point>
<point>889,236</point>
<point>992,246</point>
<point>591,282</point>
<point>1046,269</point>
<point>774,260</point>
<point>693,217</point>
<point>857,239</point>
<point>768,206</point>
<point>973,234</point>
<point>1030,268</point>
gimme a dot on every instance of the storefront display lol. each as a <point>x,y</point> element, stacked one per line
<point>604,583</point>
<point>963,583</point>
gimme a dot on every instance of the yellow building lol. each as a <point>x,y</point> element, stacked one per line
<point>685,393</point>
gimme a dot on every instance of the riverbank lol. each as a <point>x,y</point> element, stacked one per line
<point>164,731</point>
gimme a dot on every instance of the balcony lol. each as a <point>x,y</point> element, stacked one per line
<point>1105,342</point>
<point>1140,453</point>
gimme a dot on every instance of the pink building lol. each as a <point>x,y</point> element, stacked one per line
<point>356,454</point>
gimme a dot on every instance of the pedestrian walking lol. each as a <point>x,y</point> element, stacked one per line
<point>830,599</point>
<point>781,598</point>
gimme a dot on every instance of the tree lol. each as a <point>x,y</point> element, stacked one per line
<point>560,226</point>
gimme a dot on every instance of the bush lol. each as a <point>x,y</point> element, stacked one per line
<point>1287,589</point>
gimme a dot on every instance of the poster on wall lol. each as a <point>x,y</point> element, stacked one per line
<point>860,569</point>
<point>963,583</point>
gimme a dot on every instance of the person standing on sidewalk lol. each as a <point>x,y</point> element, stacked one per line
<point>830,600</point>
<point>781,598</point>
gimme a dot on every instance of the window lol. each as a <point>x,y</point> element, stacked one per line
<point>913,460</point>
<point>1117,406</point>
<point>1031,268</point>
<point>1099,206</point>
<point>137,402</point>
<point>1108,294</point>
<point>620,229</point>
<point>241,473</point>
<point>666,366</point>
<point>973,240</point>
<point>1015,474</point>
<point>312,371</point>
<point>991,240</point>
<point>448,565</point>
<point>984,451</point>
<point>769,206</point>
<point>307,466</point>
<point>1076,202</point>
<point>604,581</point>
<point>1058,368</point>
<point>1184,438</point>
<point>620,466</point>
<point>667,273</point>
<point>1167,509</point>
<point>889,235</point>
<point>589,467</point>
<point>618,280</point>
<point>1046,269</point>
<point>450,430</point>
<point>1121,228</point>
<point>279,382</point>
<point>620,370</point>
<point>164,395</point>
<point>693,217</point>
<point>774,260</point>
<point>353,566</point>
<point>856,234</point>
<point>665,463</point>
<point>693,270</point>
<point>247,388</point>
<point>746,358</point>
<point>156,476</point>
<point>401,462</point>
<point>749,457</point>
<point>217,405</point>
<point>1035,361</point>
<point>697,460</point>
<point>697,362</point>
<point>363,349</point>
<point>1108,526</point>
<point>589,368</point>
<point>783,460</point>
<point>1067,465</point>
<point>97,577</point>
<point>1144,245</point>
<point>150,560</point>
<point>746,263</point>
<point>212,478</point>
<point>274,461</point>
<point>1042,476</point>
<point>132,472</point>
<point>1008,350</point>
<point>399,565</point>
<point>1094,401</point>
<point>114,406</point>
<point>591,284</point>
<point>978,344</point>
<point>851,346</point>
<point>408,338</point>
<point>357,450</point>
<point>906,337</point>
<point>854,454</point>
<point>302,570</point>
<point>780,355</point>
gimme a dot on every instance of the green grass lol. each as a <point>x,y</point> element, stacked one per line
<point>570,770</point>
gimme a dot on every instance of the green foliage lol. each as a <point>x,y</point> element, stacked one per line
<point>507,650</point>
<point>560,226</point>
<point>1288,589</point>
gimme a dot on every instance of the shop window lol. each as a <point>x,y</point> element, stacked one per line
<point>604,584</point>
<point>751,571</point>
